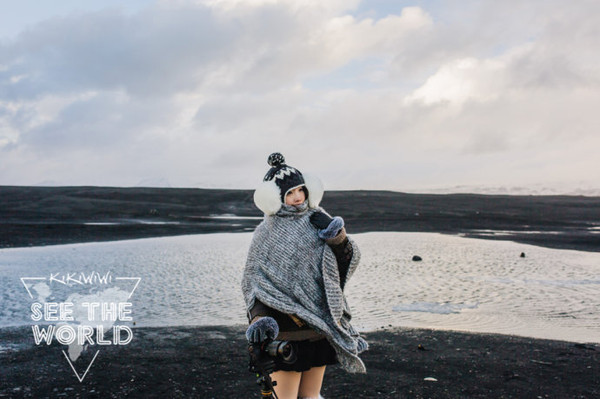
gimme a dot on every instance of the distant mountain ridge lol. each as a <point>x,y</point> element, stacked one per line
<point>512,190</point>
<point>584,189</point>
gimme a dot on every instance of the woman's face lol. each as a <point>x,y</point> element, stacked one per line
<point>295,196</point>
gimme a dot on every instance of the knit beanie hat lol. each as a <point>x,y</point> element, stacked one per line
<point>281,178</point>
<point>285,176</point>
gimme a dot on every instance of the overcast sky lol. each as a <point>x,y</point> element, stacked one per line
<point>463,95</point>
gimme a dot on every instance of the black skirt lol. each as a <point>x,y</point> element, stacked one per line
<point>309,354</point>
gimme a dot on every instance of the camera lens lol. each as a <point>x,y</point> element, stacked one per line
<point>287,351</point>
<point>282,349</point>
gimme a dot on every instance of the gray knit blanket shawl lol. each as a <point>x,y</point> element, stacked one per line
<point>291,269</point>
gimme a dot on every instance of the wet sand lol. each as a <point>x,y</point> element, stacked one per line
<point>211,362</point>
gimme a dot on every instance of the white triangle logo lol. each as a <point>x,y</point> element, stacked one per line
<point>80,378</point>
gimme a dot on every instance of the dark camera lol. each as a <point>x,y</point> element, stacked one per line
<point>281,349</point>
<point>263,355</point>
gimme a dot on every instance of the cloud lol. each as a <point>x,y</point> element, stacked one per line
<point>199,93</point>
<point>155,52</point>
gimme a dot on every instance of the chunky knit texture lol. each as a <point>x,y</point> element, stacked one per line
<point>291,269</point>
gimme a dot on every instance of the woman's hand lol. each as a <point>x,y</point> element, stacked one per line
<point>328,227</point>
<point>261,330</point>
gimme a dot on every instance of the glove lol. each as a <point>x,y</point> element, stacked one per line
<point>328,227</point>
<point>320,220</point>
<point>261,330</point>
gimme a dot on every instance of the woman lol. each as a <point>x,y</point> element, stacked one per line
<point>298,263</point>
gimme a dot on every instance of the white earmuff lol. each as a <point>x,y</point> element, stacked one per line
<point>315,189</point>
<point>267,197</point>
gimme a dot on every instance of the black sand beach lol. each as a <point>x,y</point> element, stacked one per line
<point>32,216</point>
<point>211,362</point>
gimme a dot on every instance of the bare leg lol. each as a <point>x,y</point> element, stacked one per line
<point>287,384</point>
<point>311,382</point>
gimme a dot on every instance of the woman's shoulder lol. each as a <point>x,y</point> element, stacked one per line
<point>265,225</point>
<point>262,225</point>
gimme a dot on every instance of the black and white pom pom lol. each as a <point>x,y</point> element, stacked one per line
<point>275,159</point>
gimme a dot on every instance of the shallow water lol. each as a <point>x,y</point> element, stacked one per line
<point>476,285</point>
<point>461,283</point>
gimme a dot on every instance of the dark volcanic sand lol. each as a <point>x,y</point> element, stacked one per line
<point>31,216</point>
<point>210,362</point>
